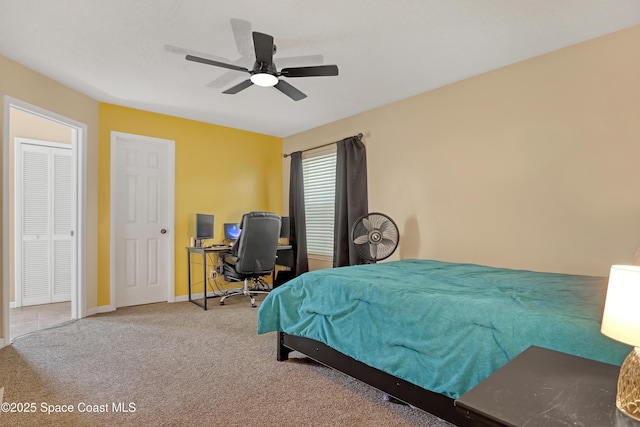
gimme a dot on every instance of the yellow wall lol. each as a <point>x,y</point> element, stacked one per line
<point>219,170</point>
<point>534,165</point>
<point>26,85</point>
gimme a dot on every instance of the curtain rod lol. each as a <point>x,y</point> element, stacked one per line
<point>359,136</point>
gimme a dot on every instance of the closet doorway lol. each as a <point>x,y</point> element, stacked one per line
<point>45,208</point>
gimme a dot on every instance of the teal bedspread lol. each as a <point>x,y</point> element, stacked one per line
<point>442,326</point>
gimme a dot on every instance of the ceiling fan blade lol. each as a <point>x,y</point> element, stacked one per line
<point>240,86</point>
<point>297,61</point>
<point>226,79</point>
<point>215,63</point>
<point>318,70</point>
<point>289,90</point>
<point>242,34</point>
<point>184,51</point>
<point>263,44</point>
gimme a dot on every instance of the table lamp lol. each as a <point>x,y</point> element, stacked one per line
<point>621,321</point>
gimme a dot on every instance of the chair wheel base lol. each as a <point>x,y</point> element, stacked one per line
<point>246,291</point>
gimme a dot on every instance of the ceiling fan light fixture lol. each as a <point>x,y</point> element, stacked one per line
<point>264,79</point>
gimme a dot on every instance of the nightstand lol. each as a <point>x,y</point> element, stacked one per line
<point>542,387</point>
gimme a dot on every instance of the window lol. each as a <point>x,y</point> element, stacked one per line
<point>319,175</point>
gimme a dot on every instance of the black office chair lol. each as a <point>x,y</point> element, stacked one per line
<point>253,254</point>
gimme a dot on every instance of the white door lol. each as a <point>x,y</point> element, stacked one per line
<point>43,222</point>
<point>142,219</point>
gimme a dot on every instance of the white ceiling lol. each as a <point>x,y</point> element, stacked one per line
<point>131,52</point>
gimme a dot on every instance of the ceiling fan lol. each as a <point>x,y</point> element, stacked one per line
<point>264,72</point>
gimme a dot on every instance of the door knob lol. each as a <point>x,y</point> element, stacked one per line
<point>163,231</point>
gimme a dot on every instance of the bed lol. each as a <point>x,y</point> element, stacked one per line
<point>426,331</point>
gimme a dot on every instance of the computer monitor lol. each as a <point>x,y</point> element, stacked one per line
<point>204,227</point>
<point>232,231</point>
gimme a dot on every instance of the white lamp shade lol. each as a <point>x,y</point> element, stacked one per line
<point>264,79</point>
<point>621,317</point>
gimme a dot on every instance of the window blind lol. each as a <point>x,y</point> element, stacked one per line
<point>319,176</point>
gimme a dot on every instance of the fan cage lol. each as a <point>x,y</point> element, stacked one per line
<point>375,236</point>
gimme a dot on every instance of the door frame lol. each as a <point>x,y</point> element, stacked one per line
<point>79,220</point>
<point>118,139</point>
<point>17,220</point>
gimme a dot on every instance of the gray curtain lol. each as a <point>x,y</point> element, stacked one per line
<point>351,198</point>
<point>297,222</point>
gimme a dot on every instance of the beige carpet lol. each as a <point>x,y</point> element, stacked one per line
<point>174,365</point>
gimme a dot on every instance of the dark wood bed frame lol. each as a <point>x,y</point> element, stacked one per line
<point>434,403</point>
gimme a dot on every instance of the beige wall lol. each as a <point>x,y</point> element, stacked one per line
<point>26,85</point>
<point>532,166</point>
<point>25,125</point>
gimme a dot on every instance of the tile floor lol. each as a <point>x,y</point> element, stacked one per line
<point>27,319</point>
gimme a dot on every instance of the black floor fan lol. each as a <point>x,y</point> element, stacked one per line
<point>375,236</point>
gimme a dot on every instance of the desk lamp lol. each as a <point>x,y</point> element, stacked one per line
<point>621,321</point>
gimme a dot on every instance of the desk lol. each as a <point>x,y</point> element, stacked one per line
<point>283,250</point>
<point>542,387</point>
<point>216,250</point>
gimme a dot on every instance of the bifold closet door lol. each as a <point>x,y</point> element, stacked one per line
<point>45,215</point>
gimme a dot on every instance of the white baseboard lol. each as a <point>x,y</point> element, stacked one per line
<point>100,309</point>
<point>183,298</point>
<point>179,298</point>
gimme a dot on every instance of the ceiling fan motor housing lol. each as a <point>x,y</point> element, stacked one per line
<point>264,74</point>
<point>264,68</point>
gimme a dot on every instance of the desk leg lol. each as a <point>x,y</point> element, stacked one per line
<point>189,273</point>
<point>204,281</point>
